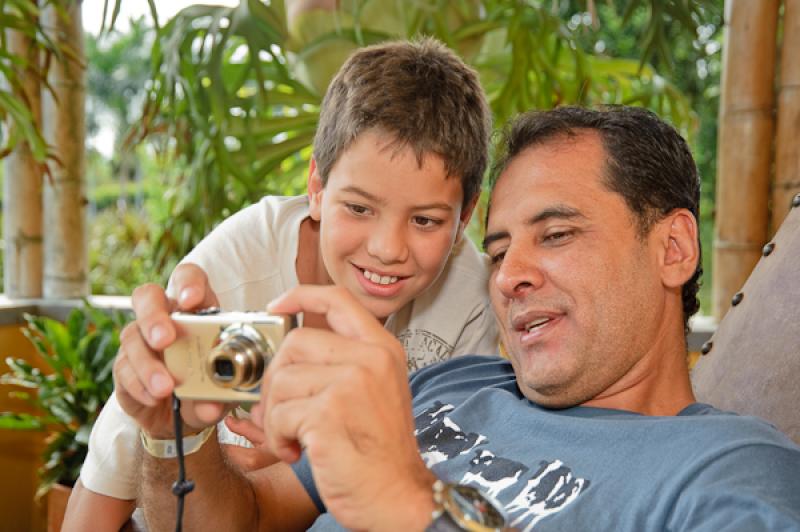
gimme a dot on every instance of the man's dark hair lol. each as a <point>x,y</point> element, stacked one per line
<point>421,94</point>
<point>648,163</point>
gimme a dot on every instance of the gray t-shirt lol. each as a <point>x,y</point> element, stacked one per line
<point>588,468</point>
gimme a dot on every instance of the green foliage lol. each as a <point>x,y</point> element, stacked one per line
<point>235,90</point>
<point>120,253</point>
<point>23,17</point>
<point>67,396</point>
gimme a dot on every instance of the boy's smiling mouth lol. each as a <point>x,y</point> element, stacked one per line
<point>380,284</point>
<point>379,279</point>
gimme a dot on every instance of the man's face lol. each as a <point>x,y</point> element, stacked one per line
<point>576,292</point>
<point>387,225</point>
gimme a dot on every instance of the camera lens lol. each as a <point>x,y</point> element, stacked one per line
<point>223,369</point>
<point>239,359</point>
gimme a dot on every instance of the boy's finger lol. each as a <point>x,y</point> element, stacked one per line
<point>246,428</point>
<point>191,286</point>
<point>145,363</point>
<point>344,314</point>
<point>152,310</point>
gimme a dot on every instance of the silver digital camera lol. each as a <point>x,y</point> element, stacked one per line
<point>221,356</point>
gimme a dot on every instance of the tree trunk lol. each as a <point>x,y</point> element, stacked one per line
<point>787,149</point>
<point>65,242</point>
<point>744,146</point>
<point>22,221</point>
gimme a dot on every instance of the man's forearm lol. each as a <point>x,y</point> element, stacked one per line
<point>222,499</point>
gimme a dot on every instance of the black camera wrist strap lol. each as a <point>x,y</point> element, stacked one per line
<point>182,486</point>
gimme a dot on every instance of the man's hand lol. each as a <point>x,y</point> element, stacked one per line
<point>142,383</point>
<point>343,396</point>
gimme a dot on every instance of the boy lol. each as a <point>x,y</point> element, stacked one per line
<point>398,160</point>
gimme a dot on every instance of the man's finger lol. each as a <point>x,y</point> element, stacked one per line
<point>344,314</point>
<point>152,309</point>
<point>190,285</point>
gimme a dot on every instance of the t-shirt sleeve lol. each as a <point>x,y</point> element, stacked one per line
<point>749,489</point>
<point>110,466</point>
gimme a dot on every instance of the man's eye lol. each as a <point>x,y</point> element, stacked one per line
<point>357,209</point>
<point>497,258</point>
<point>557,236</point>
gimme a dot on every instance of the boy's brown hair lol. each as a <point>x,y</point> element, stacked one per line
<point>418,92</point>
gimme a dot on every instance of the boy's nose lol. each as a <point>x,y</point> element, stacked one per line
<point>388,245</point>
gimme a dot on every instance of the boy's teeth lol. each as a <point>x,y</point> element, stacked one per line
<point>377,279</point>
<point>536,323</point>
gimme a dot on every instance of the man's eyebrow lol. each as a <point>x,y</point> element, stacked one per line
<point>556,211</point>
<point>492,237</point>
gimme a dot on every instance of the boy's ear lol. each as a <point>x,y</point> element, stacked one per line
<point>681,252</point>
<point>315,190</point>
<point>466,216</point>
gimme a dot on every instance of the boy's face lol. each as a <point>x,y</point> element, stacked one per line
<point>387,225</point>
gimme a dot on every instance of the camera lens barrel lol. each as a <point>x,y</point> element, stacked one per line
<point>239,359</point>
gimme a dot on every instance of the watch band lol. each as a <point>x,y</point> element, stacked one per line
<point>442,522</point>
<point>464,508</point>
<point>169,449</point>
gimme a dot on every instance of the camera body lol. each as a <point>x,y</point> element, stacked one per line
<point>221,356</point>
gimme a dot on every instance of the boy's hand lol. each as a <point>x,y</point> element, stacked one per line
<point>142,383</point>
<point>343,396</point>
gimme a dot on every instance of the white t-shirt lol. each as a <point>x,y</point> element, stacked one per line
<point>250,260</point>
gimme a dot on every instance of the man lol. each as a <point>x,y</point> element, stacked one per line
<point>592,425</point>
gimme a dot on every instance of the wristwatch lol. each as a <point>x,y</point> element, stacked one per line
<point>464,508</point>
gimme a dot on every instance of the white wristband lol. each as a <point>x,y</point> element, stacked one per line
<point>169,449</point>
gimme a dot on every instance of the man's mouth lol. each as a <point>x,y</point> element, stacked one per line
<point>379,279</point>
<point>536,324</point>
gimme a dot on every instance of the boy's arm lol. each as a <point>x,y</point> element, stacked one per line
<point>87,510</point>
<point>224,498</point>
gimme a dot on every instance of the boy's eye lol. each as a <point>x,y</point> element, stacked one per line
<point>425,222</point>
<point>358,210</point>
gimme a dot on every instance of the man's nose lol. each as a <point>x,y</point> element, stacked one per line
<point>389,243</point>
<point>518,273</point>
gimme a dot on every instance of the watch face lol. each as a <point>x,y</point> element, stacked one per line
<point>475,508</point>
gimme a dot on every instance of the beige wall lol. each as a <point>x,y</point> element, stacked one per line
<point>19,451</point>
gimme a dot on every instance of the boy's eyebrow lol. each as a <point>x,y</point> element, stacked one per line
<point>375,199</point>
<point>361,192</point>
<point>556,211</point>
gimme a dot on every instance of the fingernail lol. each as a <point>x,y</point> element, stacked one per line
<point>159,384</point>
<point>186,295</point>
<point>274,303</point>
<point>157,334</point>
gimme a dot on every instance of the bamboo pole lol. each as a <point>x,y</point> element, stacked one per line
<point>744,144</point>
<point>22,188</point>
<point>787,148</point>
<point>65,241</point>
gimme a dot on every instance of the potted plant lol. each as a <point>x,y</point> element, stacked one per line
<point>68,394</point>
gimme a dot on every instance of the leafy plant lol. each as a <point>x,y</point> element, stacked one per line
<point>234,94</point>
<point>68,395</point>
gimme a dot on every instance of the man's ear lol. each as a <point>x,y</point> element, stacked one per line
<point>466,216</point>
<point>681,252</point>
<point>315,190</point>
